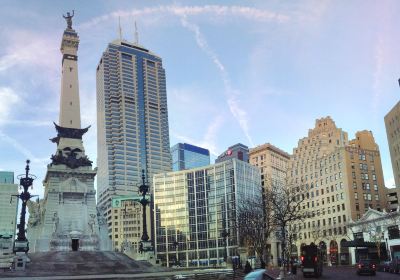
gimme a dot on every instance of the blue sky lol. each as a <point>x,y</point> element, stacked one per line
<point>237,71</point>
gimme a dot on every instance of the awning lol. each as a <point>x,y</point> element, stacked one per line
<point>360,243</point>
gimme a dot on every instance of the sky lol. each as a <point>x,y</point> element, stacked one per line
<point>237,71</point>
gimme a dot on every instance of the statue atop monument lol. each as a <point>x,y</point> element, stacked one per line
<point>68,18</point>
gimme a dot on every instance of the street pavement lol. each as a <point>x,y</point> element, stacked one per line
<point>341,272</point>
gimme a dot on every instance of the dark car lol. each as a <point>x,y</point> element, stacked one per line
<point>366,267</point>
<point>384,266</point>
<point>394,266</point>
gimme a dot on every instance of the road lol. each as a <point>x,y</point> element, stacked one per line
<point>346,273</point>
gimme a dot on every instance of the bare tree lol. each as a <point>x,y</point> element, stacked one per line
<point>255,226</point>
<point>286,210</point>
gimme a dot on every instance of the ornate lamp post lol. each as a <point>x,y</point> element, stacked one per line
<point>21,244</point>
<point>144,188</point>
<point>176,244</point>
<point>225,234</point>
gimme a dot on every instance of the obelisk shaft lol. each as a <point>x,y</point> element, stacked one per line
<point>69,102</point>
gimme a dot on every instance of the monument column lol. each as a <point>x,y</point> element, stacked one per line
<point>69,102</point>
<point>66,218</point>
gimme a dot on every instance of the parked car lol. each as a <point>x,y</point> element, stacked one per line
<point>366,267</point>
<point>384,266</point>
<point>259,274</point>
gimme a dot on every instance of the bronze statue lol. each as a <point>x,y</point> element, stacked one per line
<point>68,18</point>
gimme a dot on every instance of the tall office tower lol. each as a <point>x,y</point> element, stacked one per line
<point>339,180</point>
<point>132,122</point>
<point>186,156</point>
<point>196,212</point>
<point>8,205</point>
<point>66,218</point>
<point>238,151</point>
<point>392,123</point>
<point>273,164</point>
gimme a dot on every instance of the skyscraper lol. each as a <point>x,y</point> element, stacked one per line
<point>186,156</point>
<point>339,181</point>
<point>132,121</point>
<point>238,151</point>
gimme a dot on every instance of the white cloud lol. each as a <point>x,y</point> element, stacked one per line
<point>210,138</point>
<point>30,48</point>
<point>232,94</point>
<point>379,60</point>
<point>8,99</point>
<point>21,149</point>
<point>214,11</point>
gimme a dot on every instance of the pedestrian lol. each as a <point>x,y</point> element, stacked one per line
<point>294,266</point>
<point>247,267</point>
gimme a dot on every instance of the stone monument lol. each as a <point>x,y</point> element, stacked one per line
<point>66,218</point>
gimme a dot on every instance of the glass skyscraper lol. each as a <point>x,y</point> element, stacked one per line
<point>194,208</point>
<point>186,156</point>
<point>132,121</point>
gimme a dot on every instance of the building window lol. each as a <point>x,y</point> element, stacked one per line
<point>356,196</point>
<point>393,232</point>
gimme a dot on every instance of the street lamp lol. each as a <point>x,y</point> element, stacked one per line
<point>225,234</point>
<point>21,244</point>
<point>144,189</point>
<point>176,244</point>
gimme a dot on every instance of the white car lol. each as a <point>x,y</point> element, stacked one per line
<point>259,274</point>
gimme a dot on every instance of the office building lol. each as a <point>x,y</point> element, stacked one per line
<point>273,163</point>
<point>186,156</point>
<point>8,217</point>
<point>238,151</point>
<point>196,212</point>
<point>339,181</point>
<point>127,223</point>
<point>132,122</point>
<point>392,123</point>
<point>392,196</point>
<point>8,205</point>
<point>375,230</point>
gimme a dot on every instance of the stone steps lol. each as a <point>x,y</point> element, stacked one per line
<point>83,263</point>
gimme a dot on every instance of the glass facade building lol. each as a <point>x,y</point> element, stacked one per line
<point>132,121</point>
<point>238,151</point>
<point>186,156</point>
<point>194,208</point>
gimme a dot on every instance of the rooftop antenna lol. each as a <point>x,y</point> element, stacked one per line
<point>119,27</point>
<point>136,35</point>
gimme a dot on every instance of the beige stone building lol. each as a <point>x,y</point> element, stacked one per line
<point>392,196</point>
<point>127,225</point>
<point>340,179</point>
<point>273,163</point>
<point>392,123</point>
